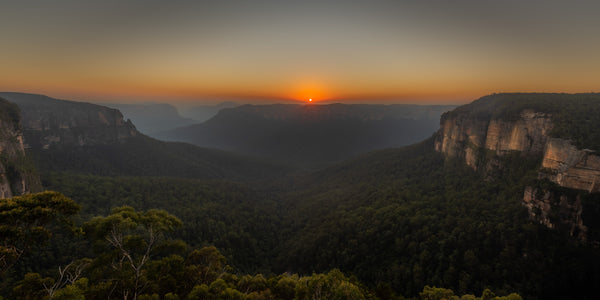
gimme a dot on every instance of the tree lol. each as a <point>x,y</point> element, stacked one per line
<point>27,220</point>
<point>205,266</point>
<point>132,236</point>
<point>333,285</point>
<point>67,276</point>
<point>435,293</point>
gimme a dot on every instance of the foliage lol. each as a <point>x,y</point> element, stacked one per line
<point>135,259</point>
<point>404,217</point>
<point>27,220</point>
<point>132,236</point>
<point>233,217</point>
<point>409,217</point>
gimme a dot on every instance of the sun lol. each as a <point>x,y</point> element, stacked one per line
<point>310,100</point>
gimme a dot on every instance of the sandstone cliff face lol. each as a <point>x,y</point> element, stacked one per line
<point>480,138</point>
<point>48,121</point>
<point>464,137</point>
<point>15,177</point>
<point>566,165</point>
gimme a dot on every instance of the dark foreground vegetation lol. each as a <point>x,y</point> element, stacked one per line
<point>129,254</point>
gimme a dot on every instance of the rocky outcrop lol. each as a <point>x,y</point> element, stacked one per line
<point>571,167</point>
<point>48,121</point>
<point>16,175</point>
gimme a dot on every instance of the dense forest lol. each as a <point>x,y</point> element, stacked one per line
<point>395,219</point>
<point>130,254</point>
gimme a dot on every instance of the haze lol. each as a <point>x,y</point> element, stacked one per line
<point>349,51</point>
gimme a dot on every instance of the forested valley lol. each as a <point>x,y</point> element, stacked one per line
<point>402,223</point>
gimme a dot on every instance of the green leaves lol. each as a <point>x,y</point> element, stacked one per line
<point>132,235</point>
<point>29,220</point>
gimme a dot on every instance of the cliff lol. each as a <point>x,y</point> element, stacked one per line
<point>465,137</point>
<point>47,121</point>
<point>17,176</point>
<point>472,131</point>
<point>537,127</point>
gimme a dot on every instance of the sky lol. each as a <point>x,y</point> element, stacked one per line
<point>347,51</point>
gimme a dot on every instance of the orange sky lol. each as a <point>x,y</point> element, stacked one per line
<point>377,51</point>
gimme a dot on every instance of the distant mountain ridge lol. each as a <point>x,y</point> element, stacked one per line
<point>336,111</point>
<point>201,113</point>
<point>308,134</point>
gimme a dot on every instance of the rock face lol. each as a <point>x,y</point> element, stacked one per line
<point>479,135</point>
<point>48,121</point>
<point>16,175</point>
<point>463,137</point>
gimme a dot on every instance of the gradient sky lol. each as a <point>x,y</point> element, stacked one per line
<point>411,51</point>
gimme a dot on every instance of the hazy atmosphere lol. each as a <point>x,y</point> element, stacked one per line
<point>300,150</point>
<point>353,51</point>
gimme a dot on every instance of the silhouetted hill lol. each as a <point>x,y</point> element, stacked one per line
<point>201,113</point>
<point>312,133</point>
<point>150,118</point>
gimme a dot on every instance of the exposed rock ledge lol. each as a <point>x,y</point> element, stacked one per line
<point>570,167</point>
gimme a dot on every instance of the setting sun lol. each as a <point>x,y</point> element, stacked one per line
<point>310,100</point>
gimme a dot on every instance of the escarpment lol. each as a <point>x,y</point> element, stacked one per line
<point>48,122</point>
<point>495,126</point>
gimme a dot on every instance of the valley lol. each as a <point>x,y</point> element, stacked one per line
<point>499,195</point>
